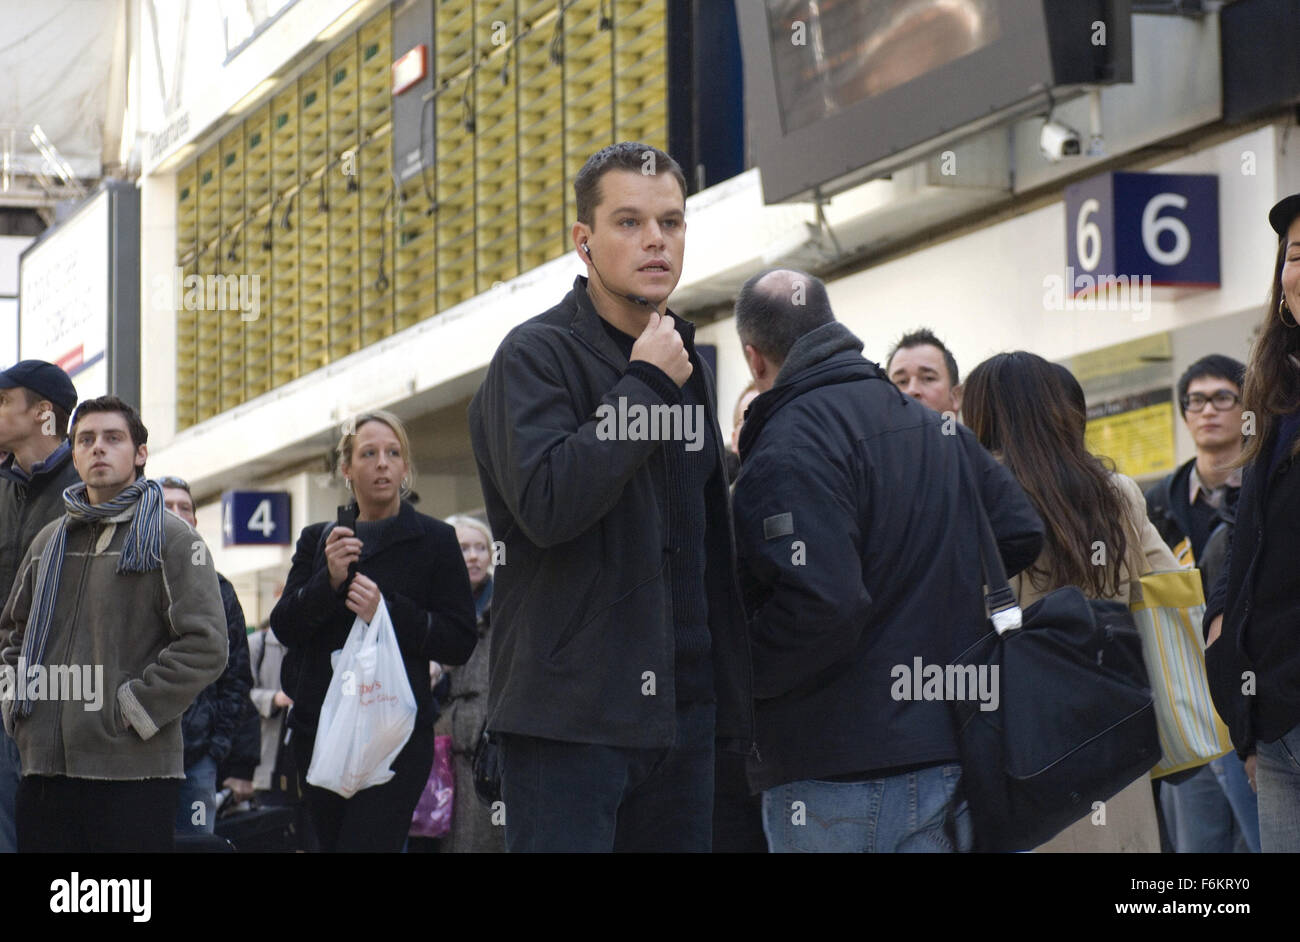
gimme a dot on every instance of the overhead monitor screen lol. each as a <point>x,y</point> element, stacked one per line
<point>830,54</point>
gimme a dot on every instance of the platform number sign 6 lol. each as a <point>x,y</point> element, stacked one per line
<point>1165,225</point>
<point>1087,235</point>
<point>1154,225</point>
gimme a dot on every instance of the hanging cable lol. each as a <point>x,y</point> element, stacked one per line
<point>270,222</point>
<point>381,282</point>
<point>467,109</point>
<point>424,165</point>
<point>288,211</point>
<point>556,52</point>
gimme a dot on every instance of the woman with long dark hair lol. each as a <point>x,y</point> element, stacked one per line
<point>339,574</point>
<point>1030,414</point>
<point>1253,614</point>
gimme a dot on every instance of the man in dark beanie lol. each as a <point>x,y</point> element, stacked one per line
<point>36,399</point>
<point>113,627</point>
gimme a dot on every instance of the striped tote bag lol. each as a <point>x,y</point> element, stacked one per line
<point>1169,618</point>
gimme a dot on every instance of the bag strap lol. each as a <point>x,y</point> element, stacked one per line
<point>999,600</point>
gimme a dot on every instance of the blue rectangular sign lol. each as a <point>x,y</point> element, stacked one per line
<point>1158,226</point>
<point>255,518</point>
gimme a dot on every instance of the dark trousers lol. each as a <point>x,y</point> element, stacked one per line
<point>62,815</point>
<point>737,815</point>
<point>375,819</point>
<point>564,797</point>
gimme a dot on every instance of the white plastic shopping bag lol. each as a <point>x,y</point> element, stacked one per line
<point>369,711</point>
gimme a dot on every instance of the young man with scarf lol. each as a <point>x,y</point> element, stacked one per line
<point>114,626</point>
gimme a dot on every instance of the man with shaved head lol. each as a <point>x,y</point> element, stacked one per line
<point>856,538</point>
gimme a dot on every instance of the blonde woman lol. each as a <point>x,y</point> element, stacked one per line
<point>339,573</point>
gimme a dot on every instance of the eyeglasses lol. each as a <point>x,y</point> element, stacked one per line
<point>171,481</point>
<point>1223,401</point>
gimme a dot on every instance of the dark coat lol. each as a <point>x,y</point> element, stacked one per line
<point>420,571</point>
<point>1170,511</point>
<point>582,614</point>
<point>209,725</point>
<point>859,552</point>
<point>26,507</point>
<point>1258,594</point>
<point>464,719</point>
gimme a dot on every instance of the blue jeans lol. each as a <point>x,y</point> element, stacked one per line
<point>200,787</point>
<point>916,812</point>
<point>566,797</point>
<point>11,771</point>
<point>1204,808</point>
<point>1277,775</point>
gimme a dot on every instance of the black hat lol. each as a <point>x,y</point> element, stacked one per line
<point>44,379</point>
<point>1283,214</point>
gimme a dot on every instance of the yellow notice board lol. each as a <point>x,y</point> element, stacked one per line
<point>1137,432</point>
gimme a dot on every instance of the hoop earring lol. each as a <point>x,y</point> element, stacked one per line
<point>1282,311</point>
<point>406,483</point>
<point>347,482</point>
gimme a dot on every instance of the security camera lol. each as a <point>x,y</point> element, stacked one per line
<point>1057,141</point>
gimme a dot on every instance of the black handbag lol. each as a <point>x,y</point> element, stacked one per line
<point>487,767</point>
<point>1075,723</point>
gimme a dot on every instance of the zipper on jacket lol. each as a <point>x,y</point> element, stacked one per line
<point>72,630</point>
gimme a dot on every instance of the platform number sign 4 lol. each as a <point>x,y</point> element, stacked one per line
<point>261,520</point>
<point>255,518</point>
<point>1164,226</point>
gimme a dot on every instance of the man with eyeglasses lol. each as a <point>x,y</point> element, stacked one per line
<point>1194,501</point>
<point>1194,508</point>
<point>210,725</point>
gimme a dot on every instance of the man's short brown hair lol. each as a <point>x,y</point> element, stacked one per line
<point>625,155</point>
<point>139,434</point>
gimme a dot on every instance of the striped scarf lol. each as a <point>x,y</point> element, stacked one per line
<point>141,552</point>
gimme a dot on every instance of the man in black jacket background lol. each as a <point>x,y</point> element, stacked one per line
<point>618,649</point>
<point>212,720</point>
<point>859,559</point>
<point>1194,508</point>
<point>36,401</point>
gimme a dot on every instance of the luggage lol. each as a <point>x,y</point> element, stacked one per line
<point>261,829</point>
<point>1074,724</point>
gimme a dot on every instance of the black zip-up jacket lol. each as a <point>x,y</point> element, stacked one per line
<point>25,508</point>
<point>1171,513</point>
<point>418,567</point>
<point>582,643</point>
<point>1254,665</point>
<point>859,553</point>
<point>209,725</point>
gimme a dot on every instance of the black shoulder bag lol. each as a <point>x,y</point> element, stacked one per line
<point>1075,723</point>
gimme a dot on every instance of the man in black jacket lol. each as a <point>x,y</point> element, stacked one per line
<point>1193,508</point>
<point>36,400</point>
<point>210,724</point>
<point>618,649</point>
<point>859,557</point>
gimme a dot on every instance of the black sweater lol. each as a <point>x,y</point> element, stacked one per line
<point>418,567</point>
<point>688,474</point>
